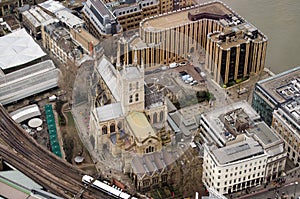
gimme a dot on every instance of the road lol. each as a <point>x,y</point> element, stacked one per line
<point>287,191</point>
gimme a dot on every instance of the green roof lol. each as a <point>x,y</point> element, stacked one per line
<point>52,130</point>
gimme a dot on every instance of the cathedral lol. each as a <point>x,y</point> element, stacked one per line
<point>127,116</point>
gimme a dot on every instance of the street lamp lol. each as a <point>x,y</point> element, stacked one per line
<point>296,183</point>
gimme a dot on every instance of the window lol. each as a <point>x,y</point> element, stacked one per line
<point>164,178</point>
<point>130,87</point>
<point>155,118</point>
<point>155,180</point>
<point>136,97</point>
<point>104,130</point>
<point>112,128</point>
<point>161,116</point>
<point>146,183</point>
<point>130,99</point>
<point>149,149</point>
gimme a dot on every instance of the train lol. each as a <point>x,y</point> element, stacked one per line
<point>106,188</point>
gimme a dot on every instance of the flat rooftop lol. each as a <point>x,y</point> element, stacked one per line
<point>264,133</point>
<point>68,18</point>
<point>239,151</point>
<point>52,6</point>
<point>88,36</point>
<point>282,87</point>
<point>178,18</point>
<point>218,127</point>
<point>292,108</point>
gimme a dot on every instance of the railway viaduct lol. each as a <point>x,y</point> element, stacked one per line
<point>56,175</point>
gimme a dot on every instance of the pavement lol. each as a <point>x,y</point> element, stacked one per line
<point>269,191</point>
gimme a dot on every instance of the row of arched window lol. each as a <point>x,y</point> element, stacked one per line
<point>157,118</point>
<point>136,98</point>
<point>112,128</point>
<point>136,86</point>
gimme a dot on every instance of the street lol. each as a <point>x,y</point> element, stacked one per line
<point>288,191</point>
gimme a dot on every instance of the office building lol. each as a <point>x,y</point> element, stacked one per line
<point>129,13</point>
<point>8,7</point>
<point>33,20</point>
<point>269,93</point>
<point>99,20</point>
<point>276,99</point>
<point>57,10</point>
<point>213,27</point>
<point>58,41</point>
<point>126,13</point>
<point>286,123</point>
<point>240,151</point>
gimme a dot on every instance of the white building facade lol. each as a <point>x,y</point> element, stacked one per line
<point>235,167</point>
<point>240,151</point>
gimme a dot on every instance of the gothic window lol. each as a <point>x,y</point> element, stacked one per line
<point>155,180</point>
<point>137,85</point>
<point>136,97</point>
<point>130,99</point>
<point>130,87</point>
<point>112,128</point>
<point>164,178</point>
<point>146,183</point>
<point>161,116</point>
<point>155,118</point>
<point>150,149</point>
<point>104,130</point>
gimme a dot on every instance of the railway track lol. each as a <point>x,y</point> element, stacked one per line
<point>51,172</point>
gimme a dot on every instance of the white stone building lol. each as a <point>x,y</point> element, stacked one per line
<point>240,151</point>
